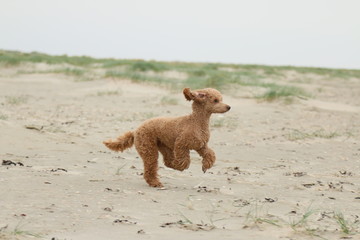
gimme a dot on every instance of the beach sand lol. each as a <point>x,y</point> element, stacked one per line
<point>283,170</point>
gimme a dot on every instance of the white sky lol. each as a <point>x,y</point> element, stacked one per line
<point>275,32</point>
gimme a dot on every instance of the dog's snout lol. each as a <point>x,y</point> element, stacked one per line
<point>228,107</point>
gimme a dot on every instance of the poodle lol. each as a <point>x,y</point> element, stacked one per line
<point>174,137</point>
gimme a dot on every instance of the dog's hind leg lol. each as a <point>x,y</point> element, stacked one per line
<point>168,155</point>
<point>148,151</point>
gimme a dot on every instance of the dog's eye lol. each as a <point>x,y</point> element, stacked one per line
<point>216,100</point>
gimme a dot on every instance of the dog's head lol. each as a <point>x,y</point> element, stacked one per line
<point>208,98</point>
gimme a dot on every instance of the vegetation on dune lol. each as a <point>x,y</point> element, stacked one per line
<point>197,75</point>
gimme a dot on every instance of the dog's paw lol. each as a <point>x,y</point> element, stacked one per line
<point>156,184</point>
<point>206,165</point>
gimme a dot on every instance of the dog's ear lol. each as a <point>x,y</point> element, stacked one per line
<point>194,95</point>
<point>188,94</point>
<point>200,95</point>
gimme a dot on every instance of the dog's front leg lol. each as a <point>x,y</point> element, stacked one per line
<point>182,154</point>
<point>208,156</point>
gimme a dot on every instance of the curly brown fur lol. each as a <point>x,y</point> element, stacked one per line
<point>121,143</point>
<point>175,137</point>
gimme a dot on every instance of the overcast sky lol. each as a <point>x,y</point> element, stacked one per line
<point>324,33</point>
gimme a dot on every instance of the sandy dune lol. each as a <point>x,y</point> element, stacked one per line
<point>283,171</point>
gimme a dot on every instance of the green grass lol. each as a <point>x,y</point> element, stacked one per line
<point>296,135</point>
<point>144,66</point>
<point>343,223</point>
<point>198,75</point>
<point>218,123</point>
<point>302,221</point>
<point>76,72</point>
<point>119,169</point>
<point>141,77</point>
<point>256,215</point>
<point>15,100</point>
<point>3,117</point>
<point>71,71</point>
<point>167,100</point>
<point>18,233</point>
<point>108,93</point>
<point>275,91</point>
<point>11,58</point>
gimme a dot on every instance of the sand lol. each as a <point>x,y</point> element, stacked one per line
<point>283,171</point>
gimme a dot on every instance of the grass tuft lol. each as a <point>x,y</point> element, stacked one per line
<point>15,100</point>
<point>144,66</point>
<point>344,225</point>
<point>301,222</point>
<point>276,92</point>
<point>296,135</point>
<point>3,117</point>
<point>166,100</point>
<point>256,215</point>
<point>71,71</point>
<point>107,93</point>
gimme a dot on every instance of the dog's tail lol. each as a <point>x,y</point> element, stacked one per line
<point>121,143</point>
